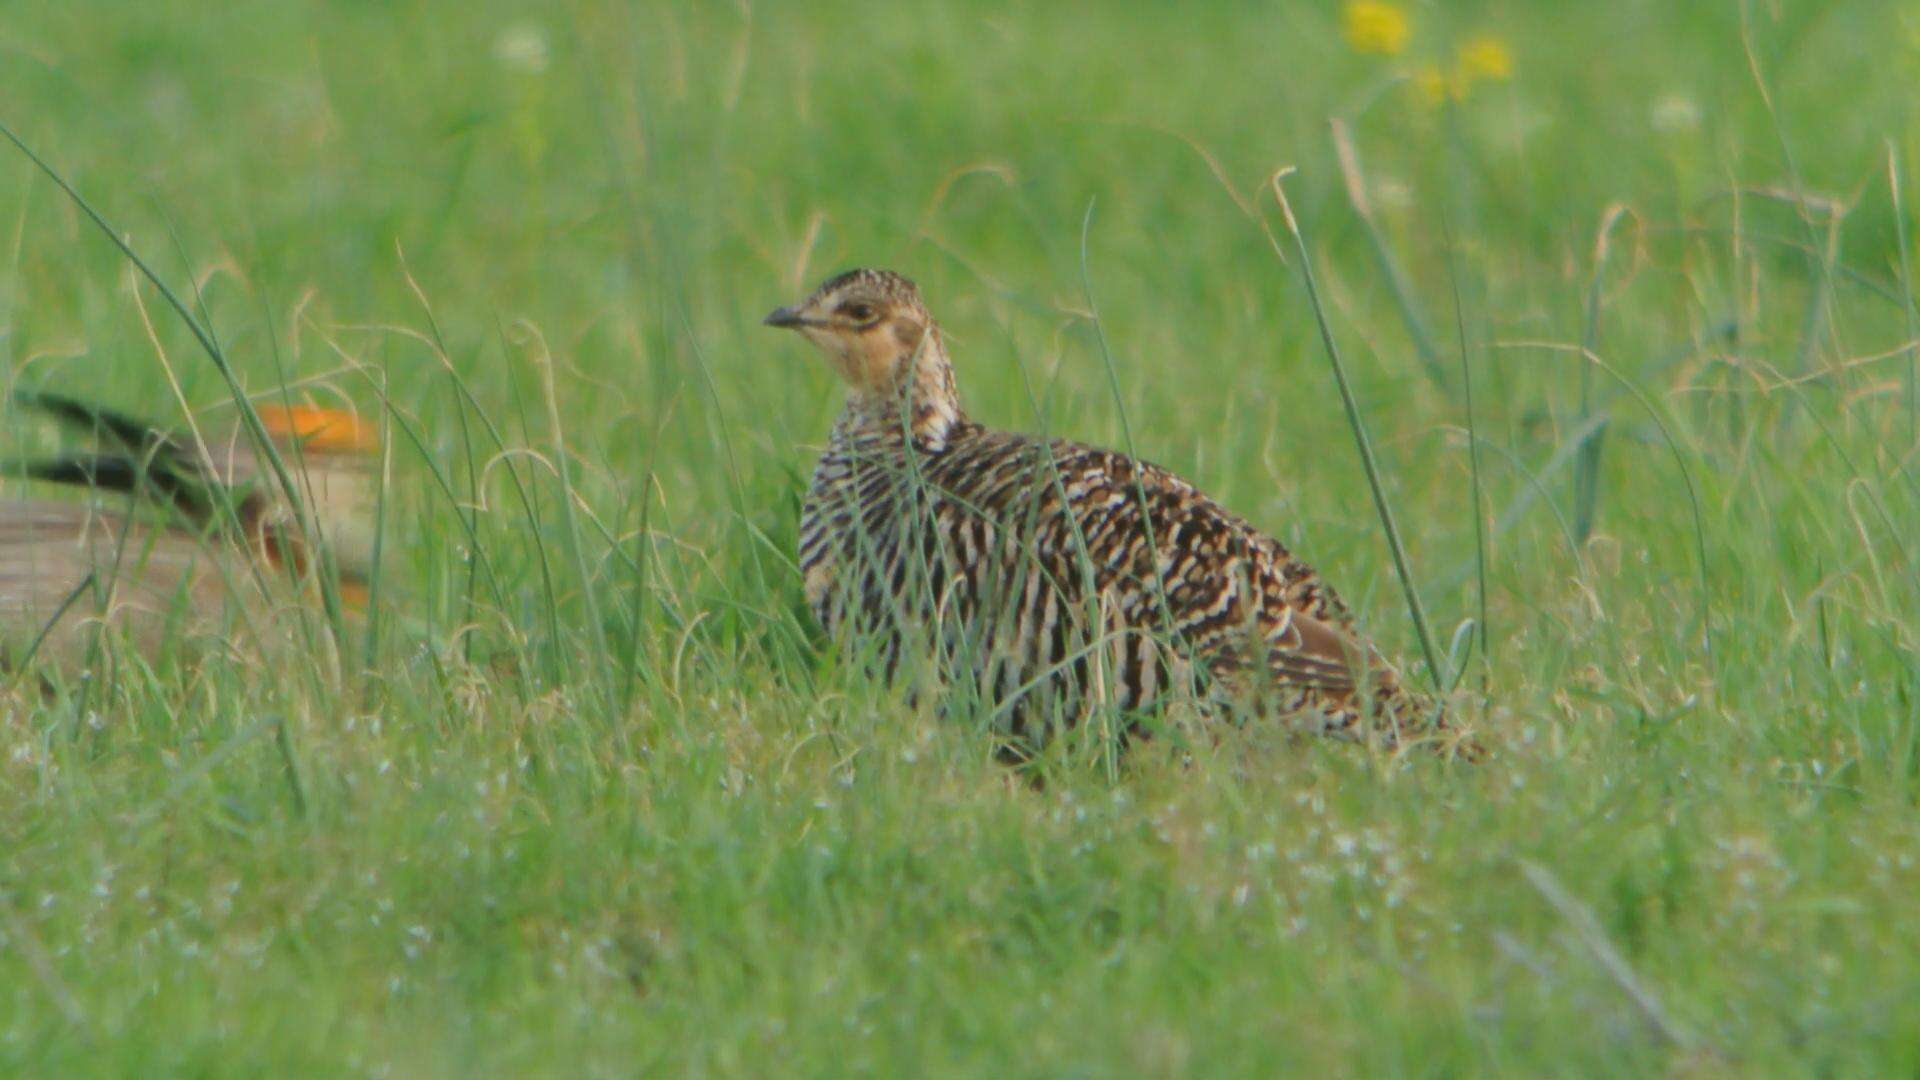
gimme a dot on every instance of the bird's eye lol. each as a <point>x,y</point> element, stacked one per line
<point>858,312</point>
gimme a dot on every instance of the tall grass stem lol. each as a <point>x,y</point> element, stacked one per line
<point>1400,563</point>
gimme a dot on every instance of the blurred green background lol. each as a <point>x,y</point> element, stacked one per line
<point>596,797</point>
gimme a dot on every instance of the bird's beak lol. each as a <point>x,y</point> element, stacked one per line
<point>788,317</point>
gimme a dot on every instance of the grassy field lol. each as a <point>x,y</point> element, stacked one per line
<point>587,792</point>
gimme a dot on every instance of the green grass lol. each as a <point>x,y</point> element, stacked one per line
<point>596,797</point>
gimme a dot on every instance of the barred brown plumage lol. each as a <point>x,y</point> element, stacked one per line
<point>1048,576</point>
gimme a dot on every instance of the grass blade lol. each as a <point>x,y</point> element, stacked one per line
<point>1906,298</point>
<point>1360,439</point>
<point>1397,284</point>
<point>1478,502</point>
<point>1586,470</point>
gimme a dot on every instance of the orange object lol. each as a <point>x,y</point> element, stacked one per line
<point>327,430</point>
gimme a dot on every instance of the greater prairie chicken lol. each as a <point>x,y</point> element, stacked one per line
<point>195,540</point>
<point>1049,576</point>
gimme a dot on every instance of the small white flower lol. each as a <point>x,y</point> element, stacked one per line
<point>522,47</point>
<point>1676,114</point>
<point>1392,193</point>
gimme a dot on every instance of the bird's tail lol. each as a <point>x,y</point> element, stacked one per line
<point>1407,717</point>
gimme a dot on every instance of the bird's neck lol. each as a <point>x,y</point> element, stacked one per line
<point>920,401</point>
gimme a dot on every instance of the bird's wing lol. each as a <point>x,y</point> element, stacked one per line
<point>1297,627</point>
<point>1308,651</point>
<point>1297,650</point>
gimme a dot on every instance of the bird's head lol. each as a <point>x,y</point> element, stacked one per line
<point>870,323</point>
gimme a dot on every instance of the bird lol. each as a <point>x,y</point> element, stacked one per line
<point>1048,578</point>
<point>201,541</point>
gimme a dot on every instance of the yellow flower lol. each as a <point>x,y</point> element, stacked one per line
<point>1435,87</point>
<point>1374,26</point>
<point>1431,84</point>
<point>1481,59</point>
<point>1486,57</point>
